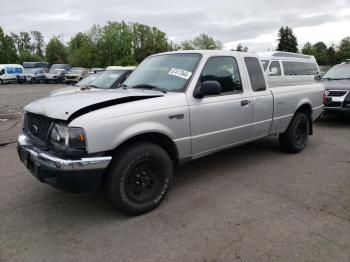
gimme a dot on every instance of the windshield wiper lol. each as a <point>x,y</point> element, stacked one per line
<point>147,86</point>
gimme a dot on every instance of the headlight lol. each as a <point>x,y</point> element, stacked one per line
<point>68,139</point>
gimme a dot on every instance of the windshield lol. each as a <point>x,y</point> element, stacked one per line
<point>56,71</point>
<point>29,70</point>
<point>75,71</point>
<point>106,79</point>
<point>14,70</point>
<point>87,80</point>
<point>338,72</point>
<point>169,72</point>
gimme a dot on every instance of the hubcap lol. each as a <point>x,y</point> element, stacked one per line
<point>143,182</point>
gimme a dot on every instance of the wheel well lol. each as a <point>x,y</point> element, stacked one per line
<point>306,109</point>
<point>159,139</point>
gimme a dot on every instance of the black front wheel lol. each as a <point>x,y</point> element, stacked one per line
<point>139,177</point>
<point>296,136</point>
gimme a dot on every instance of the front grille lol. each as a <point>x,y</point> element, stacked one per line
<point>337,93</point>
<point>37,126</point>
<point>71,77</point>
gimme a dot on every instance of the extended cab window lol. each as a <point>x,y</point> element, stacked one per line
<point>275,68</point>
<point>256,75</point>
<point>225,71</point>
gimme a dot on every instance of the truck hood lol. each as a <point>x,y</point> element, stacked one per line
<point>336,84</point>
<point>67,106</point>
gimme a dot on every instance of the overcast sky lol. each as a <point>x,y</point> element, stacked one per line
<point>251,22</point>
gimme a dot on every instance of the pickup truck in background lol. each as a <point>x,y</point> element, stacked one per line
<point>173,108</point>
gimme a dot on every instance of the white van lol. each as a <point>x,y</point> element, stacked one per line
<point>9,72</point>
<point>284,68</point>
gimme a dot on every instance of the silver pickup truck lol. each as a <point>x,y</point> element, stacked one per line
<point>174,107</point>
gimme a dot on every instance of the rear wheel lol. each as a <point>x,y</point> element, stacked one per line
<point>139,177</point>
<point>296,136</point>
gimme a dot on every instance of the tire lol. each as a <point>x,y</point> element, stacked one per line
<point>32,81</point>
<point>138,178</point>
<point>1,82</point>
<point>296,136</point>
<point>59,80</point>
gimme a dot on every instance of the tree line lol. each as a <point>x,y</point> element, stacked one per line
<point>121,43</point>
<point>116,43</point>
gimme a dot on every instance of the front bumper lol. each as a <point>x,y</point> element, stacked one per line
<point>338,103</point>
<point>78,176</point>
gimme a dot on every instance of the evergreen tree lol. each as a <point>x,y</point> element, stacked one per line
<point>287,41</point>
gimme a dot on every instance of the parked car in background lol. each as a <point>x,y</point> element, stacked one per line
<point>109,79</point>
<point>81,85</point>
<point>57,73</point>
<point>42,65</point>
<point>284,68</point>
<point>75,74</point>
<point>32,75</point>
<point>174,107</point>
<point>337,84</point>
<point>9,73</point>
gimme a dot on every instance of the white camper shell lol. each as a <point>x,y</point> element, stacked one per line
<point>284,68</point>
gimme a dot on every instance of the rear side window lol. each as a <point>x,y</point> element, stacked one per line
<point>275,66</point>
<point>256,76</point>
<point>299,68</point>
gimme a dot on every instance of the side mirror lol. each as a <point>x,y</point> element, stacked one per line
<point>318,77</point>
<point>207,88</point>
<point>273,71</point>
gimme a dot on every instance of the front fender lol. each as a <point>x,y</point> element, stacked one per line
<point>141,128</point>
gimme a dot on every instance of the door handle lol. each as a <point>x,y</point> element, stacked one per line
<point>245,102</point>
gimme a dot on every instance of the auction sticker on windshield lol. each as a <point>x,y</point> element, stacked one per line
<point>180,73</point>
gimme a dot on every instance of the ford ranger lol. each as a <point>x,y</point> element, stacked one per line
<point>174,107</point>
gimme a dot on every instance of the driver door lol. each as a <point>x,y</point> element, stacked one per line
<point>222,120</point>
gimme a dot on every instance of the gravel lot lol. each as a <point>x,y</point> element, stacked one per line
<point>251,203</point>
<point>13,96</point>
